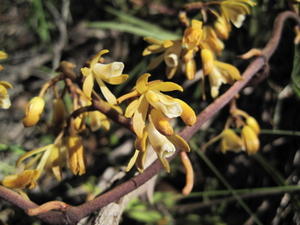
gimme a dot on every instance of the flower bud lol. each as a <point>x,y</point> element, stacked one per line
<point>33,112</point>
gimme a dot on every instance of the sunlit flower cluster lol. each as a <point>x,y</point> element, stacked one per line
<point>204,37</point>
<point>151,111</point>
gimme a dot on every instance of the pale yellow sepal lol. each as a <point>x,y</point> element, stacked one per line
<point>179,143</point>
<point>207,58</point>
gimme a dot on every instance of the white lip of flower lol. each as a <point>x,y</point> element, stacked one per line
<point>110,70</point>
<point>238,22</point>
<point>160,143</point>
<point>170,108</point>
<point>171,60</point>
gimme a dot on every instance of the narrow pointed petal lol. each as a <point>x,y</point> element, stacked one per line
<point>106,92</point>
<point>31,153</point>
<point>188,114</point>
<point>179,143</point>
<point>88,85</point>
<point>139,117</point>
<point>117,80</point>
<point>166,86</point>
<point>132,161</point>
<point>141,84</point>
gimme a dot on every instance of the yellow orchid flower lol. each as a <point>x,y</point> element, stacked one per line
<point>33,112</point>
<point>235,10</point>
<point>211,41</point>
<point>110,73</point>
<point>149,94</point>
<point>171,53</point>
<point>4,97</point>
<point>218,72</point>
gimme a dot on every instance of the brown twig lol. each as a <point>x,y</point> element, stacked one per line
<point>73,214</point>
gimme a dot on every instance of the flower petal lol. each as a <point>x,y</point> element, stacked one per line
<point>131,108</point>
<point>117,80</point>
<point>88,85</point>
<point>141,83</point>
<point>179,143</point>
<point>106,92</point>
<point>166,86</point>
<point>139,117</point>
<point>161,122</point>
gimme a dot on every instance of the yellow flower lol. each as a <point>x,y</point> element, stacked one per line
<point>250,140</point>
<point>149,94</point>
<point>190,42</point>
<point>230,141</point>
<point>110,73</point>
<point>171,54</point>
<point>97,120</point>
<point>3,55</point>
<point>76,157</point>
<point>25,179</point>
<point>34,109</point>
<point>218,72</point>
<point>4,98</point>
<point>235,10</point>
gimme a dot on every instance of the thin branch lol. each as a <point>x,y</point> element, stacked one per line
<point>73,214</point>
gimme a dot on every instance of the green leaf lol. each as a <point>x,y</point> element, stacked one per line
<point>296,71</point>
<point>148,216</point>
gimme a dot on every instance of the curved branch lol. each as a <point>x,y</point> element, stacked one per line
<point>74,213</point>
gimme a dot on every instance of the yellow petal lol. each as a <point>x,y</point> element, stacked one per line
<point>132,161</point>
<point>166,86</point>
<point>86,71</point>
<point>97,120</point>
<point>179,143</point>
<point>97,57</point>
<point>207,58</point>
<point>190,69</point>
<point>31,153</point>
<point>250,140</point>
<point>141,83</point>
<point>188,114</point>
<point>127,96</point>
<point>141,143</point>
<point>106,92</point>
<point>3,55</point>
<point>131,108</point>
<point>88,85</point>
<point>140,161</point>
<point>161,122</point>
<point>251,122</point>
<point>139,117</point>
<point>230,72</point>
<point>107,71</point>
<point>118,80</point>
